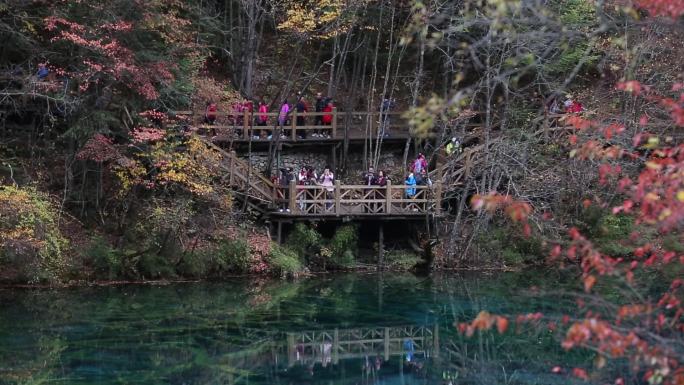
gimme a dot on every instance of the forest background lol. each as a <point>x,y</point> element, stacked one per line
<point>100,183</point>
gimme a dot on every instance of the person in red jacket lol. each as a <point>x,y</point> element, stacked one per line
<point>572,106</point>
<point>210,113</point>
<point>328,117</point>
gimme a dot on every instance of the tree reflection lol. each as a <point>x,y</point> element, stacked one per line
<point>347,329</point>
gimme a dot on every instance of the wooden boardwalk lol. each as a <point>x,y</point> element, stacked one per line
<point>330,346</point>
<point>337,201</point>
<point>355,126</point>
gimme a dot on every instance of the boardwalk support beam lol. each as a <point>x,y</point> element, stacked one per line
<point>381,246</point>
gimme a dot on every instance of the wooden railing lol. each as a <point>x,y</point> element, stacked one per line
<point>247,124</point>
<point>336,200</point>
<point>240,175</point>
<point>334,345</point>
<point>343,200</point>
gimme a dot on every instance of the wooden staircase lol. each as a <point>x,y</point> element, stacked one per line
<point>249,184</point>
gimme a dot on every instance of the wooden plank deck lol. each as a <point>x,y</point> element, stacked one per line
<point>358,201</point>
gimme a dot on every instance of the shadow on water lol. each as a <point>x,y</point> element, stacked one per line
<point>345,329</point>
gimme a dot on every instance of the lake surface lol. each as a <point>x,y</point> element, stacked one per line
<point>343,329</point>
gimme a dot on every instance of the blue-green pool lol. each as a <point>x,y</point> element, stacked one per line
<point>341,329</point>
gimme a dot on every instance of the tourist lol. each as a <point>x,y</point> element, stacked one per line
<point>380,181</point>
<point>302,180</point>
<point>303,176</point>
<point>411,183</point>
<point>327,180</point>
<point>285,178</point>
<point>419,164</point>
<point>210,113</point>
<point>43,72</point>
<point>238,107</point>
<point>572,106</point>
<point>301,118</point>
<point>554,107</point>
<point>262,118</point>
<point>369,177</point>
<point>312,177</point>
<point>328,117</point>
<point>283,116</point>
<point>409,347</point>
<point>419,178</point>
<point>318,121</point>
<point>453,147</point>
<point>423,179</point>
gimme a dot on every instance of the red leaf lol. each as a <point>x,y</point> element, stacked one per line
<point>501,324</point>
<point>589,282</point>
<point>580,373</point>
<point>631,86</point>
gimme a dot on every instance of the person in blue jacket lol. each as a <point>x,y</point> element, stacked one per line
<point>410,181</point>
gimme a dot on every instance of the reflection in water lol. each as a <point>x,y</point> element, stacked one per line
<point>349,329</point>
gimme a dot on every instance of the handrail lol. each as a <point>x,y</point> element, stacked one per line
<point>359,199</point>
<point>334,200</point>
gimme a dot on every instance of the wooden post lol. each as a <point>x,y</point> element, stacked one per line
<point>337,197</point>
<point>334,122</point>
<point>336,346</point>
<point>291,349</point>
<point>435,341</point>
<point>245,124</point>
<point>438,197</point>
<point>294,125</point>
<point>388,197</point>
<point>386,341</point>
<point>293,196</point>
<point>231,166</point>
<point>280,232</point>
<point>381,245</point>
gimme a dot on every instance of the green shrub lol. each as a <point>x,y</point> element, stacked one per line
<point>402,260</point>
<point>106,260</point>
<point>513,248</point>
<point>614,248</point>
<point>672,243</point>
<point>304,240</point>
<point>284,262</point>
<point>232,255</point>
<point>616,226</point>
<point>343,246</point>
<point>195,265</point>
<point>30,238</point>
<point>576,13</point>
<point>155,266</point>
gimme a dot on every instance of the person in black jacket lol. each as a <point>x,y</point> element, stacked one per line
<point>320,105</point>
<point>369,180</point>
<point>286,176</point>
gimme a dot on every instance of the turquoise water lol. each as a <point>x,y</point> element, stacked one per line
<point>346,329</point>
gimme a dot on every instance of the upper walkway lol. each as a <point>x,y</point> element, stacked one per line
<point>306,127</point>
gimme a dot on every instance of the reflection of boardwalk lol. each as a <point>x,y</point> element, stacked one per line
<point>332,345</point>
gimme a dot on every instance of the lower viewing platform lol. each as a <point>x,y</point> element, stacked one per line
<point>358,201</point>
